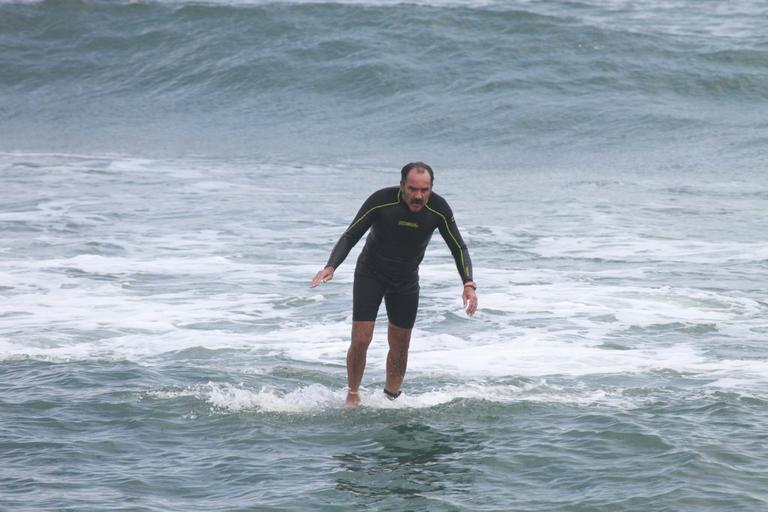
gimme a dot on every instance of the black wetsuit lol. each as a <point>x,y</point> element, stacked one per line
<point>388,266</point>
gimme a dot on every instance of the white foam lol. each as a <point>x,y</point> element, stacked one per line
<point>582,305</point>
<point>98,264</point>
<point>536,354</point>
<point>568,342</point>
<point>240,281</point>
<point>231,398</point>
<point>635,249</point>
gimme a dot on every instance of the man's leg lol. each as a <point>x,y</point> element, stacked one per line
<point>362,334</point>
<point>401,310</point>
<point>397,358</point>
<point>367,293</point>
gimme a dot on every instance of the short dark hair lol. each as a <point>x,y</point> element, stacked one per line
<point>416,165</point>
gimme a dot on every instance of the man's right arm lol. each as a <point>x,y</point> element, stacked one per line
<point>353,234</point>
<point>362,222</point>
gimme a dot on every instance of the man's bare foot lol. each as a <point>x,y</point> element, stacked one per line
<point>353,400</point>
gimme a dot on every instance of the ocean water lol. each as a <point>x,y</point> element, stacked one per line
<point>173,174</point>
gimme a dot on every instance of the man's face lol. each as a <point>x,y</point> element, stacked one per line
<point>416,189</point>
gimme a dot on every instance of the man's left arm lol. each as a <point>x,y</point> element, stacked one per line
<point>450,233</point>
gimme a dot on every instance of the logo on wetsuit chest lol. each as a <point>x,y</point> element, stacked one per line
<point>407,224</point>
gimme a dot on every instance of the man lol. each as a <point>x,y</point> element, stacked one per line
<point>402,220</point>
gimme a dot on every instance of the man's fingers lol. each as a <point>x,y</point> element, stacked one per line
<point>470,304</point>
<point>321,277</point>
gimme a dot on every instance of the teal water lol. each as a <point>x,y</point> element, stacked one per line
<point>172,175</point>
<point>152,453</point>
<point>481,83</point>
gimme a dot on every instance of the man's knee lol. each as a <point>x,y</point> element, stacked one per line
<point>362,333</point>
<point>399,336</point>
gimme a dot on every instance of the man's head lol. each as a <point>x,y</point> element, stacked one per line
<point>416,184</point>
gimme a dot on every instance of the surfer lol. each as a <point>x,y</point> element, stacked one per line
<point>402,220</point>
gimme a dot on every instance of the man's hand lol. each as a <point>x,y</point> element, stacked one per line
<point>321,277</point>
<point>470,299</point>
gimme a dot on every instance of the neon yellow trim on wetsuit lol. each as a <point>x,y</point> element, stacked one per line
<point>461,253</point>
<point>374,208</point>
